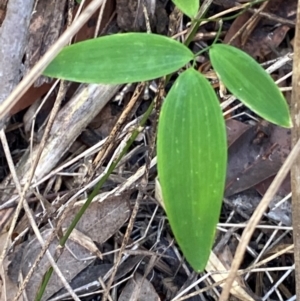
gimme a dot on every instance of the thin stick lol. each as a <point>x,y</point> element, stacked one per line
<point>295,172</point>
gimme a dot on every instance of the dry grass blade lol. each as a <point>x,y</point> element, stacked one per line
<point>84,241</point>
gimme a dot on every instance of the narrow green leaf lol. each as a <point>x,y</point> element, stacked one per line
<point>119,58</point>
<point>250,83</point>
<point>191,161</point>
<point>188,7</point>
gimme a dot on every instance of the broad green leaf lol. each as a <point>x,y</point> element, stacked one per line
<point>191,161</point>
<point>250,83</point>
<point>188,7</point>
<point>119,58</point>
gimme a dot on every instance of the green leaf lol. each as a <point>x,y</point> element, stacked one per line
<point>119,58</point>
<point>191,161</point>
<point>250,83</point>
<point>188,7</point>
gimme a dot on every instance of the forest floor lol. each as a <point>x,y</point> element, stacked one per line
<point>123,247</point>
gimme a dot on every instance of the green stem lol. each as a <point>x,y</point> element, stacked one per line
<point>199,18</point>
<point>95,191</point>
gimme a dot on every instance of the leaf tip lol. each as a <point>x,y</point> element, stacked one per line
<point>289,123</point>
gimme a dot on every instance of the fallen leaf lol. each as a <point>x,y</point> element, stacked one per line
<point>102,219</point>
<point>267,34</point>
<point>234,130</point>
<point>255,156</point>
<point>140,289</point>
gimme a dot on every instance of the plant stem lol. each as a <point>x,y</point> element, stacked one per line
<point>91,196</point>
<point>196,22</point>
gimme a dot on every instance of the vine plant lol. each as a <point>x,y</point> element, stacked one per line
<point>191,139</point>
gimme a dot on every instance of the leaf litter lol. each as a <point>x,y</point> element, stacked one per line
<point>100,221</point>
<point>256,152</point>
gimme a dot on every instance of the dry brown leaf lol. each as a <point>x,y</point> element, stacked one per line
<point>139,289</point>
<point>234,130</point>
<point>255,156</point>
<point>267,34</point>
<point>101,220</point>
